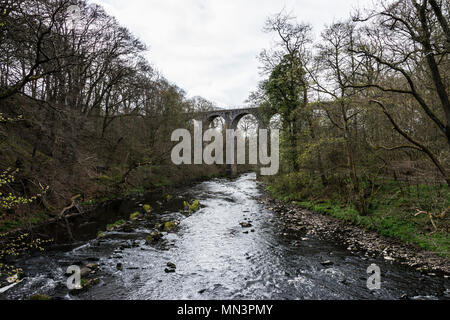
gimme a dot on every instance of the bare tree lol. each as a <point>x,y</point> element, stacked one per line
<point>408,39</point>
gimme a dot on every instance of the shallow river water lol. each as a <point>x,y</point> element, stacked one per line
<point>215,256</point>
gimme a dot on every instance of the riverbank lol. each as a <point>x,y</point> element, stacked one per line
<point>359,239</point>
<point>88,204</point>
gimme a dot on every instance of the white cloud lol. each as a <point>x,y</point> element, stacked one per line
<point>210,47</point>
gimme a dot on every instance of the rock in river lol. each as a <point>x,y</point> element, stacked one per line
<point>85,271</point>
<point>168,270</point>
<point>327,263</point>
<point>170,226</point>
<point>171,267</point>
<point>246,224</point>
<point>153,237</point>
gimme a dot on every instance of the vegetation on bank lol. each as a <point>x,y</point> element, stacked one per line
<point>364,116</point>
<point>414,214</point>
<point>38,216</point>
<point>192,208</point>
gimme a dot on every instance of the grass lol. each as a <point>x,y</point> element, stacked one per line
<point>392,212</point>
<point>161,178</point>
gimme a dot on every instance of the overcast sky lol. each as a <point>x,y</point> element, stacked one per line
<point>210,47</point>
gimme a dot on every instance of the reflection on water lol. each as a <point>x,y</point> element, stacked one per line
<point>216,258</point>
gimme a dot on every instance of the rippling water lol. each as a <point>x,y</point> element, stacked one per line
<point>215,259</point>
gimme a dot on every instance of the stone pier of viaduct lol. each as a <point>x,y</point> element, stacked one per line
<point>231,118</point>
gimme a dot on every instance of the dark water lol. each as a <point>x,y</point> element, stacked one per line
<point>215,259</point>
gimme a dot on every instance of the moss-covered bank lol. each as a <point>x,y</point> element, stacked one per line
<point>415,214</point>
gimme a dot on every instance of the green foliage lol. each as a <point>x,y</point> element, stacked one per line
<point>4,119</point>
<point>147,208</point>
<point>192,208</point>
<point>285,90</point>
<point>170,226</point>
<point>17,223</point>
<point>286,85</point>
<point>153,237</point>
<point>115,225</point>
<point>392,213</point>
<point>134,216</point>
<point>15,245</point>
<point>91,202</point>
<point>295,186</point>
<point>2,23</point>
<point>10,201</point>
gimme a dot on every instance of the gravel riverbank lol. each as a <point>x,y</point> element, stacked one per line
<point>358,239</point>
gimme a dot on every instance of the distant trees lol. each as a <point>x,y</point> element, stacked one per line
<point>28,51</point>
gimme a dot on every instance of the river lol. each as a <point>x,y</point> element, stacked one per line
<point>215,257</point>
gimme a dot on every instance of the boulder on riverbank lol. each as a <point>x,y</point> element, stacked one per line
<point>40,297</point>
<point>170,226</point>
<point>153,237</point>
